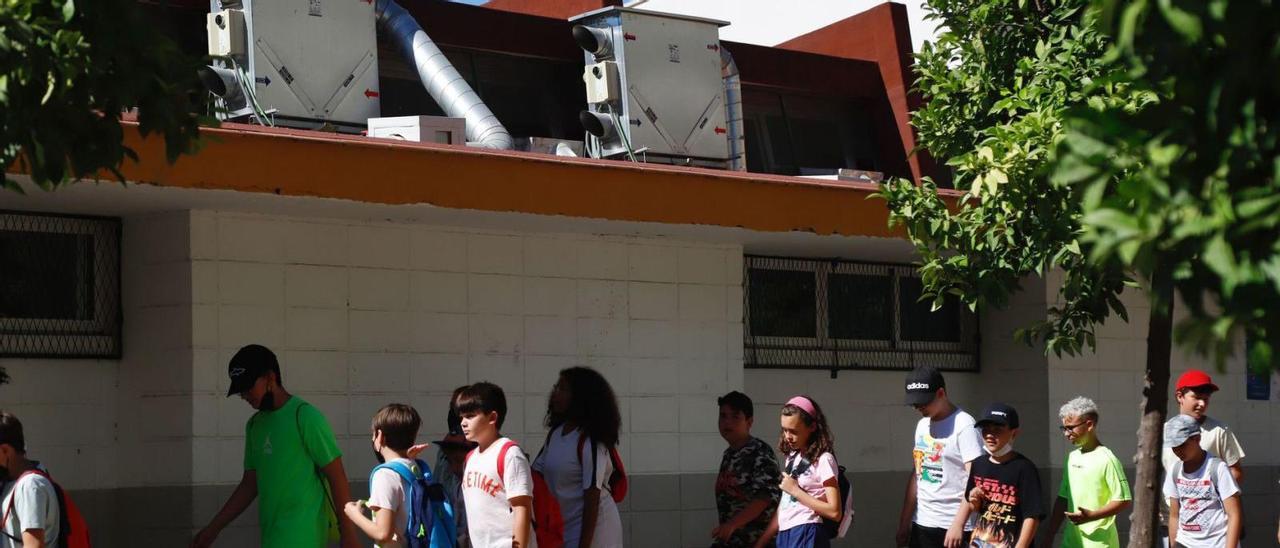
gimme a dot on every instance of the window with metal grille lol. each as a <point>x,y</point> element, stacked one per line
<point>59,286</point>
<point>836,315</point>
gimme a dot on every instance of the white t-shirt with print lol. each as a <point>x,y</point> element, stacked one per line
<point>568,476</point>
<point>1202,519</point>
<point>386,490</point>
<point>1215,438</point>
<point>941,450</point>
<point>487,495</point>
<point>29,503</point>
<point>792,512</point>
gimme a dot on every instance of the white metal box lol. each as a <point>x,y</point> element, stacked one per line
<point>313,61</point>
<point>423,129</point>
<point>226,33</point>
<point>672,95</point>
<point>602,82</point>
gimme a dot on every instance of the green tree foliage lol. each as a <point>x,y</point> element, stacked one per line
<point>998,82</point>
<point>1187,185</point>
<point>69,69</point>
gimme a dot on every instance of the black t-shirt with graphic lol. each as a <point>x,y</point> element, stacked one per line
<point>1012,495</point>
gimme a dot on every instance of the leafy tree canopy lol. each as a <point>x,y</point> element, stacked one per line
<point>1188,183</point>
<point>998,82</point>
<point>70,69</point>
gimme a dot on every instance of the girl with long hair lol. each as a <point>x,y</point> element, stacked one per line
<point>583,418</point>
<point>810,485</point>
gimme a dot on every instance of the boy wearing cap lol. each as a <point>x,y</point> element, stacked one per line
<point>1204,500</point>
<point>1004,488</point>
<point>946,443</point>
<point>1094,489</point>
<point>292,464</point>
<point>1193,391</point>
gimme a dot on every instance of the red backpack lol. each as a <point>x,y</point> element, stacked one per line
<point>618,483</point>
<point>73,531</point>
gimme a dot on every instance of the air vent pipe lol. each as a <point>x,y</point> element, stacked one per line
<point>442,81</point>
<point>733,111</point>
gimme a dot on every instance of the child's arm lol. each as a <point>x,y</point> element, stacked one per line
<point>769,532</point>
<point>380,530</point>
<point>748,514</point>
<point>33,538</point>
<point>1027,538</point>
<point>590,513</point>
<point>908,509</point>
<point>1173,521</point>
<point>1085,515</point>
<point>522,519</point>
<point>1055,521</point>
<point>828,507</point>
<point>955,533</point>
<point>236,504</point>
<point>340,493</point>
<point>1235,519</point>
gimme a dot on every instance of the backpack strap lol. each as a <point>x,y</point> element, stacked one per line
<point>13,499</point>
<point>502,462</point>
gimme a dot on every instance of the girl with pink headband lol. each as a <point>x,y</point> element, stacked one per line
<point>810,484</point>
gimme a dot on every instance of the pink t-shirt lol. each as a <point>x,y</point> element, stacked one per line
<point>793,513</point>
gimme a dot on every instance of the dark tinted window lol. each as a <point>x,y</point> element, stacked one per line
<point>860,306</point>
<point>46,275</point>
<point>782,303</point>
<point>919,322</point>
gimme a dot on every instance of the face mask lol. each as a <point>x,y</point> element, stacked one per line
<point>4,474</point>
<point>378,454</point>
<point>268,401</point>
<point>1008,448</point>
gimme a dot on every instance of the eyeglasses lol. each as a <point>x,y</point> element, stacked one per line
<point>1069,427</point>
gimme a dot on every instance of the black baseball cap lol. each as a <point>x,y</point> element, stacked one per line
<point>249,363</point>
<point>922,385</point>
<point>999,413</point>
<point>455,438</point>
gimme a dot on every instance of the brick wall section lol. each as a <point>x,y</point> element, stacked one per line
<point>363,314</point>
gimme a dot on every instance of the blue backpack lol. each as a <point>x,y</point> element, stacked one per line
<point>430,515</point>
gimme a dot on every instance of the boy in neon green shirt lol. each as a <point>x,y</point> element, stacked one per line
<point>1094,488</point>
<point>292,464</point>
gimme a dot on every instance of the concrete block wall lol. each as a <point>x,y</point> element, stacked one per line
<point>109,430</point>
<point>362,314</point>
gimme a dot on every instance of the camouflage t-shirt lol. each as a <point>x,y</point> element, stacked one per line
<point>747,474</point>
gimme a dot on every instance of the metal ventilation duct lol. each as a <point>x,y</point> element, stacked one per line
<point>441,80</point>
<point>733,111</point>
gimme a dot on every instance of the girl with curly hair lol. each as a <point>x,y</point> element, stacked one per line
<point>583,417</point>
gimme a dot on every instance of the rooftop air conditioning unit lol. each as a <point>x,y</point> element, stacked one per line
<point>301,63</point>
<point>654,87</point>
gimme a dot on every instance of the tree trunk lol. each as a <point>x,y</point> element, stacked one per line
<point>1155,399</point>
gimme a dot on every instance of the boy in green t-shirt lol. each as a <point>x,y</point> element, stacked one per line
<point>1094,488</point>
<point>292,464</point>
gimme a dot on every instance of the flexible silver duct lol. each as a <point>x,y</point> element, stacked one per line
<point>442,81</point>
<point>733,111</point>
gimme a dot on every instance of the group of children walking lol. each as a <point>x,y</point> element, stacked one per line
<point>968,486</point>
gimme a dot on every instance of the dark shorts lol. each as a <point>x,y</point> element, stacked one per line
<point>809,535</point>
<point>931,537</point>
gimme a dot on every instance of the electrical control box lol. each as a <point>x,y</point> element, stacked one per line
<point>226,33</point>
<point>602,82</point>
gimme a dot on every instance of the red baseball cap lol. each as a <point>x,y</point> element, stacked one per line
<point>1195,378</point>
